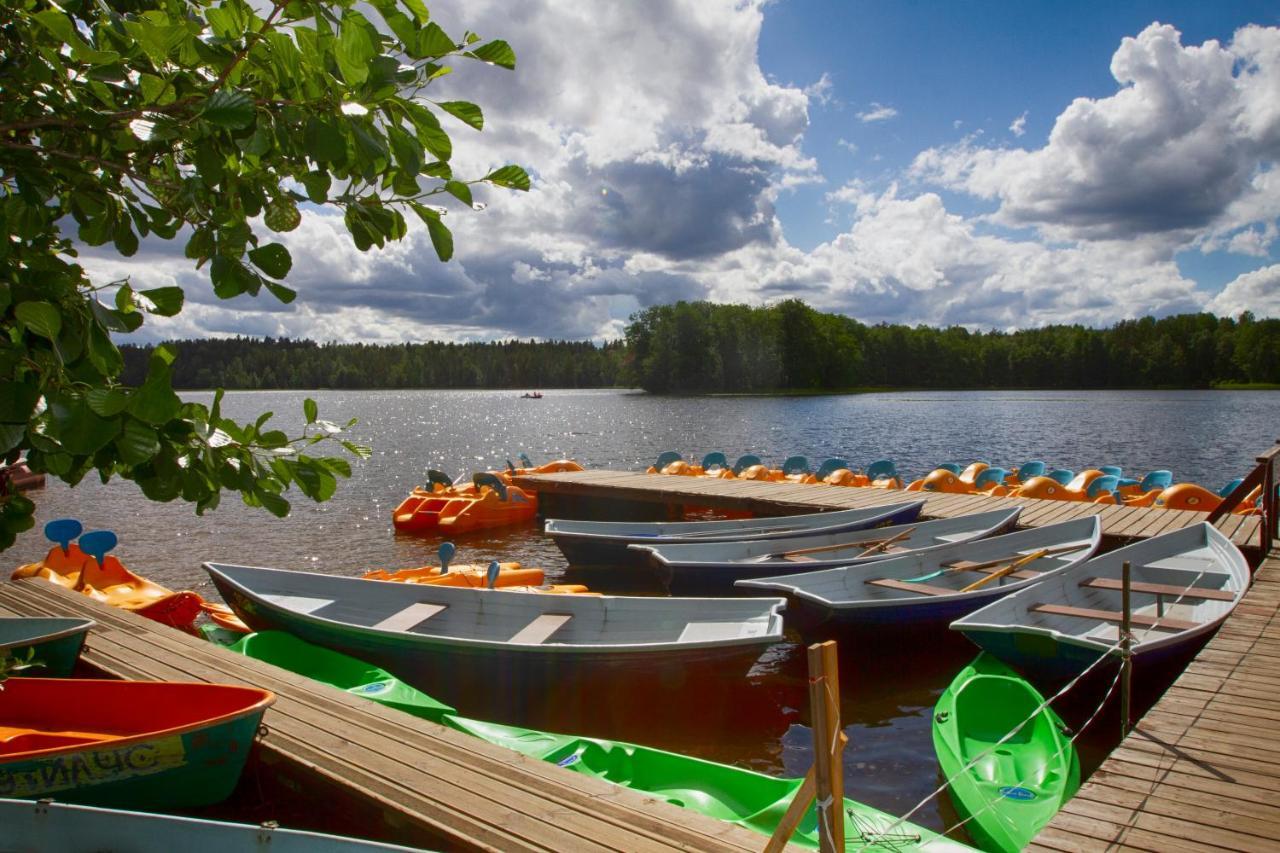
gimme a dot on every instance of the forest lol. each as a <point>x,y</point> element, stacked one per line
<point>703,347</point>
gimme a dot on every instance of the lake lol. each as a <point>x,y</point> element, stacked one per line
<point>1208,437</point>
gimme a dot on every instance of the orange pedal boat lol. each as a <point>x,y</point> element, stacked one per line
<point>86,568</point>
<point>486,502</point>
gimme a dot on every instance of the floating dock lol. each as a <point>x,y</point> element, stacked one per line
<point>402,778</point>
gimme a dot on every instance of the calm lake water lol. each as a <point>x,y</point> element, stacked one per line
<point>1204,437</point>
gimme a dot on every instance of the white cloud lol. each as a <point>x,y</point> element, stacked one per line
<point>822,91</point>
<point>1166,158</point>
<point>1019,125</point>
<point>877,112</point>
<point>1257,291</point>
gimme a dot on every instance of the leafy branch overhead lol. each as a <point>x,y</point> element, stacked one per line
<point>216,124</point>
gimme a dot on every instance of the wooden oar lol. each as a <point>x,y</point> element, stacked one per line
<point>1007,570</point>
<point>977,567</point>
<point>875,546</point>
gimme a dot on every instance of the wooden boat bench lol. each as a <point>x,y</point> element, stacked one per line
<point>907,586</point>
<point>541,628</point>
<point>1162,589</point>
<point>1139,619</point>
<point>410,617</point>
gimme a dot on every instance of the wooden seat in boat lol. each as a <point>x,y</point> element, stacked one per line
<point>1162,589</point>
<point>410,617</point>
<point>906,586</point>
<point>1139,619</point>
<point>540,628</point>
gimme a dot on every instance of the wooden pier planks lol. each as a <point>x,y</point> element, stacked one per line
<point>439,787</point>
<point>783,498</point>
<point>1201,771</point>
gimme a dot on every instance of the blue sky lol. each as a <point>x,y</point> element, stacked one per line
<point>994,165</point>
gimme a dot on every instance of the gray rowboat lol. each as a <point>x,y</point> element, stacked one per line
<point>604,543</point>
<point>927,588</point>
<point>1183,585</point>
<point>714,567</point>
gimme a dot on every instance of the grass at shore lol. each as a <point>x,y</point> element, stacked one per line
<point>1247,386</point>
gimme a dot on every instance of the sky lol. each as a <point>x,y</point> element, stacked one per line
<point>987,164</point>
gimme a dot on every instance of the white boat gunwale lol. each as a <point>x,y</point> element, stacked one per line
<point>79,626</point>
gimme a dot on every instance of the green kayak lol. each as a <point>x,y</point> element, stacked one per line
<point>1014,788</point>
<point>744,797</point>
<point>346,673</point>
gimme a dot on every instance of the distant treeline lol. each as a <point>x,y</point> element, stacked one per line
<point>282,363</point>
<point>701,346</point>
<point>698,347</point>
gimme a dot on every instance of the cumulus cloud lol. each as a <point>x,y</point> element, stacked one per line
<point>1178,151</point>
<point>1019,125</point>
<point>1257,291</point>
<point>877,112</point>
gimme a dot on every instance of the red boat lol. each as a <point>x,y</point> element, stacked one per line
<point>126,744</point>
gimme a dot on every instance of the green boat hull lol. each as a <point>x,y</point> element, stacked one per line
<point>1015,787</point>
<point>53,645</point>
<point>341,671</point>
<point>752,800</point>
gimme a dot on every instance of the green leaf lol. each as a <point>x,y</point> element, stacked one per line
<point>39,318</point>
<point>325,142</point>
<point>18,401</point>
<point>407,150</point>
<point>359,450</point>
<point>273,259</point>
<point>310,410</point>
<point>229,108</point>
<point>460,191</point>
<point>441,238</point>
<point>357,45</point>
<point>165,301</point>
<point>107,401</point>
<point>430,133</point>
<point>77,428</point>
<point>103,354</point>
<point>11,436</point>
<point>273,438</point>
<point>418,10</point>
<point>433,41</point>
<point>273,503</point>
<point>155,401</point>
<point>137,442</point>
<point>511,177</point>
<point>339,467</point>
<point>464,111</point>
<point>317,184</point>
<point>279,291</point>
<point>496,52</point>
<point>282,215</point>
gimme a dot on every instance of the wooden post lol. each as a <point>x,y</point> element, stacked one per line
<point>1126,650</point>
<point>824,707</point>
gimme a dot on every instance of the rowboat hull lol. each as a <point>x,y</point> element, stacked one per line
<point>929,589</point>
<point>1186,582</point>
<point>341,671</point>
<point>46,826</point>
<point>698,569</point>
<point>1007,783</point>
<point>480,644</point>
<point>52,644</point>
<point>606,544</point>
<point>749,799</point>
<point>153,744</point>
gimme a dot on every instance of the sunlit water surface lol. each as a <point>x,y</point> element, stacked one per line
<point>1204,437</point>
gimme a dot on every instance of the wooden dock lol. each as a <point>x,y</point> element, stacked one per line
<point>402,778</point>
<point>582,494</point>
<point>1201,771</point>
